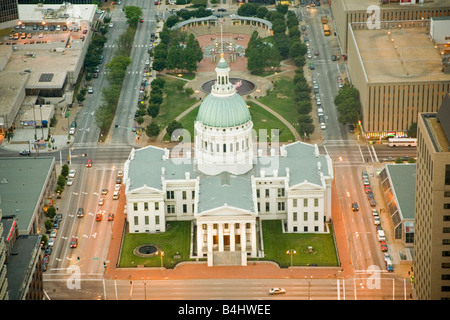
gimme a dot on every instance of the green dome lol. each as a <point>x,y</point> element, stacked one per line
<point>226,111</point>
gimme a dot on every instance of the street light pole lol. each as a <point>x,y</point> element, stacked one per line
<point>291,252</point>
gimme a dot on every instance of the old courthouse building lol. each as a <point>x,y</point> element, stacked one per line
<point>229,186</point>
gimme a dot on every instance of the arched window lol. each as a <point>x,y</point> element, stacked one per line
<point>224,147</point>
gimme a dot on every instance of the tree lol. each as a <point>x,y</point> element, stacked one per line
<point>153,110</point>
<point>65,170</point>
<point>51,212</point>
<point>61,181</point>
<point>281,8</point>
<point>297,48</point>
<point>247,10</point>
<point>171,21</point>
<point>133,15</point>
<point>412,131</point>
<point>348,104</point>
<point>173,126</point>
<point>152,129</point>
<point>261,12</point>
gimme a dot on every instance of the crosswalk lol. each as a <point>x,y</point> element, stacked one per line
<point>348,152</point>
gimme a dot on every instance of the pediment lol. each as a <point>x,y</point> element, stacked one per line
<point>226,211</point>
<point>305,186</point>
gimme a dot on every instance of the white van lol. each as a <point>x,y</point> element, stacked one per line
<point>381,236</point>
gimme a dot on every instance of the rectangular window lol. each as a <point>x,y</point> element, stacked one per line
<point>170,208</point>
<point>305,202</point>
<point>267,193</point>
<point>316,216</point>
<point>184,208</point>
<point>294,216</point>
<point>156,220</point>
<point>156,205</point>
<point>184,195</point>
<point>316,202</point>
<point>267,206</point>
<point>135,206</point>
<point>294,203</point>
<point>281,192</point>
<point>281,206</point>
<point>146,220</point>
<point>305,216</point>
<point>447,174</point>
<point>446,205</point>
<point>170,195</point>
<point>145,206</point>
<point>258,194</point>
<point>193,194</point>
<point>136,220</point>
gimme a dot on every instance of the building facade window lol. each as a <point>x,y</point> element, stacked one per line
<point>170,195</point>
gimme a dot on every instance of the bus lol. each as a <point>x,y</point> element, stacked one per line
<point>402,142</point>
<point>326,30</point>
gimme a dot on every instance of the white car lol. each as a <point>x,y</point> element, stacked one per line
<point>72,131</point>
<point>111,25</point>
<point>147,62</point>
<point>309,56</point>
<point>277,291</point>
<point>91,90</point>
<point>69,181</point>
<point>72,173</point>
<point>374,212</point>
<point>323,126</point>
<point>376,220</point>
<point>51,242</point>
<point>53,233</point>
<point>117,187</point>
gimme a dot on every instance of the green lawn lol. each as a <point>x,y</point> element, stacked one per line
<point>174,102</point>
<point>281,99</point>
<point>261,118</point>
<point>175,239</point>
<point>277,243</point>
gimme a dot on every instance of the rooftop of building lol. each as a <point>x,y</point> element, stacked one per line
<point>12,84</point>
<point>403,183</point>
<point>21,184</point>
<point>301,161</point>
<point>362,5</point>
<point>438,126</point>
<point>21,264</point>
<point>399,54</point>
<point>54,13</point>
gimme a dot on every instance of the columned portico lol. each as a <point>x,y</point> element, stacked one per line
<point>221,236</point>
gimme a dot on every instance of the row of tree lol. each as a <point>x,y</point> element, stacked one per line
<point>348,104</point>
<point>116,71</point>
<point>177,51</point>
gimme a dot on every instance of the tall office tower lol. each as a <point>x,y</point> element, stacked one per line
<point>9,13</point>
<point>432,225</point>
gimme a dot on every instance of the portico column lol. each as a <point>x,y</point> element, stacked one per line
<point>232,240</point>
<point>200,240</point>
<point>253,238</point>
<point>243,237</point>
<point>220,236</point>
<point>210,237</point>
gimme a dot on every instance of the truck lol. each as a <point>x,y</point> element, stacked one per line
<point>324,19</point>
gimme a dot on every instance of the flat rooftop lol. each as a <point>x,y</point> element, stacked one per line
<point>11,87</point>
<point>54,13</point>
<point>403,54</point>
<point>403,183</point>
<point>361,5</point>
<point>436,132</point>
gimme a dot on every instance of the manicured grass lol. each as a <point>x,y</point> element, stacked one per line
<point>281,99</point>
<point>261,118</point>
<point>174,103</point>
<point>175,240</point>
<point>277,243</point>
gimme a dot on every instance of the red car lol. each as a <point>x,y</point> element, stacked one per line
<point>89,163</point>
<point>384,247</point>
<point>74,243</point>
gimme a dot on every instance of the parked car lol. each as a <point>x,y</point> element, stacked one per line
<point>51,242</point>
<point>376,220</point>
<point>53,233</point>
<point>69,182</point>
<point>72,173</point>
<point>383,245</point>
<point>373,203</point>
<point>91,90</point>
